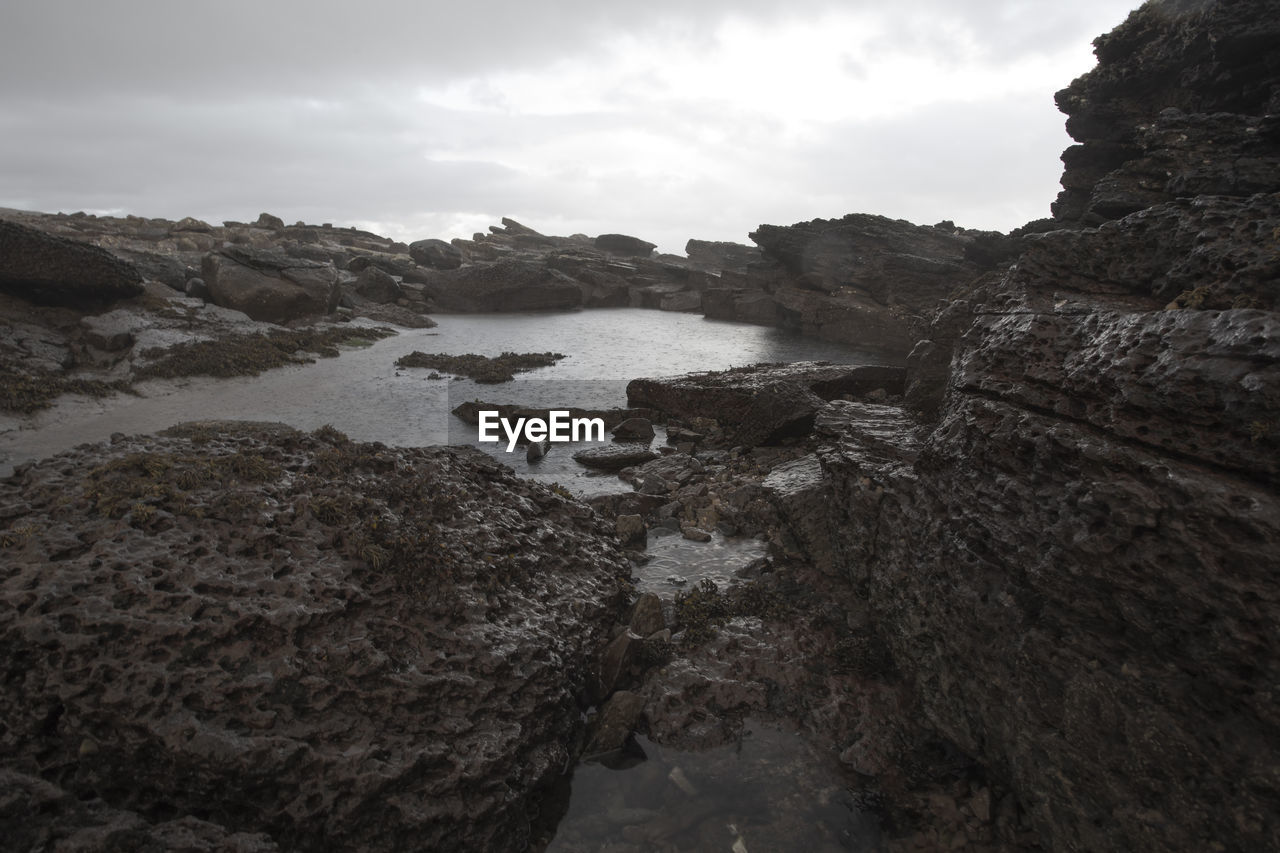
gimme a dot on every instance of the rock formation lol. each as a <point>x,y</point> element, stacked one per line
<point>270,285</point>
<point>277,640</point>
<point>1072,552</point>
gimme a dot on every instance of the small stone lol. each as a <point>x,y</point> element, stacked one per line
<point>695,534</point>
<point>631,531</point>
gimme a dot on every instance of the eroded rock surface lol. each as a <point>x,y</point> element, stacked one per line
<point>51,270</point>
<point>266,638</point>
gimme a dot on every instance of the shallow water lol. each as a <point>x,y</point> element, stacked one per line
<point>768,791</point>
<point>363,394</point>
<point>678,564</point>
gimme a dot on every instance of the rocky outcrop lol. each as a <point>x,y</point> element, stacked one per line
<point>864,280</point>
<point>507,285</point>
<point>720,256</point>
<point>761,404</point>
<point>269,285</point>
<point>1068,541</point>
<point>245,635</point>
<point>1183,103</point>
<point>54,271</point>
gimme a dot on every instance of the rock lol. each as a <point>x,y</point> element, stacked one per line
<point>507,285</point>
<point>633,429</point>
<point>621,244</point>
<point>377,285</point>
<point>153,266</point>
<point>191,224</point>
<point>646,616</point>
<point>614,457</point>
<point>536,450</point>
<point>270,286</point>
<point>55,271</point>
<point>803,498</point>
<point>707,255</point>
<point>297,649</point>
<point>266,220</point>
<point>631,532</point>
<point>615,663</point>
<point>436,254</point>
<point>696,534</point>
<point>110,332</point>
<point>761,404</point>
<point>689,300</point>
<point>197,289</point>
<point>618,718</point>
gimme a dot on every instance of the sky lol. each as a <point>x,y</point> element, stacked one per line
<point>664,119</point>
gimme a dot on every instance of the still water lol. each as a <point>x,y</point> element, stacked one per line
<point>363,394</point>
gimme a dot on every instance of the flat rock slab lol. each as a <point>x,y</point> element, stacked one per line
<point>615,457</point>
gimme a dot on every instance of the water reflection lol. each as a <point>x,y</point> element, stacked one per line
<point>768,791</point>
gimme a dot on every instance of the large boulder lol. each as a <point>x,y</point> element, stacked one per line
<point>761,404</point>
<point>507,285</point>
<point>436,254</point>
<point>377,285</point>
<point>269,285</point>
<point>56,271</point>
<point>378,661</point>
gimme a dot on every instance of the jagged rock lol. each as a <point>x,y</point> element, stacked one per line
<point>436,254</point>
<point>153,266</point>
<point>53,270</point>
<point>646,615</point>
<point>266,220</point>
<point>618,718</point>
<point>1149,116</point>
<point>631,532</point>
<point>397,265</point>
<point>507,285</point>
<point>761,404</point>
<point>269,285</point>
<point>622,244</point>
<point>298,677</point>
<point>377,285</point>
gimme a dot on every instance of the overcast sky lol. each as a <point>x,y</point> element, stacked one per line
<point>666,119</point>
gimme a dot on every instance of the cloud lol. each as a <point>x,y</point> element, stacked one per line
<point>667,120</point>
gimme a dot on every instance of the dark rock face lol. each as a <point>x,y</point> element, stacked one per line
<point>623,244</point>
<point>764,403</point>
<point>436,254</point>
<point>51,270</point>
<point>1069,542</point>
<point>1176,107</point>
<point>720,256</point>
<point>269,285</point>
<point>288,641</point>
<point>508,285</point>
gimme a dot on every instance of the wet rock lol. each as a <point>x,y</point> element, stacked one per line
<point>695,534</point>
<point>436,254</point>
<point>297,622</point>
<point>537,450</point>
<point>633,429</point>
<point>51,270</point>
<point>614,457</point>
<point>377,285</point>
<point>631,531</point>
<point>269,285</point>
<point>623,244</point>
<point>197,289</point>
<point>618,719</point>
<point>718,256</point>
<point>110,332</point>
<point>646,615</point>
<point>689,300</point>
<point>615,663</point>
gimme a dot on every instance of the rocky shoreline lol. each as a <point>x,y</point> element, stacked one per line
<point>1021,591</point>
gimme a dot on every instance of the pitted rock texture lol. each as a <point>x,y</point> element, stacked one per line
<point>51,270</point>
<point>761,404</point>
<point>293,638</point>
